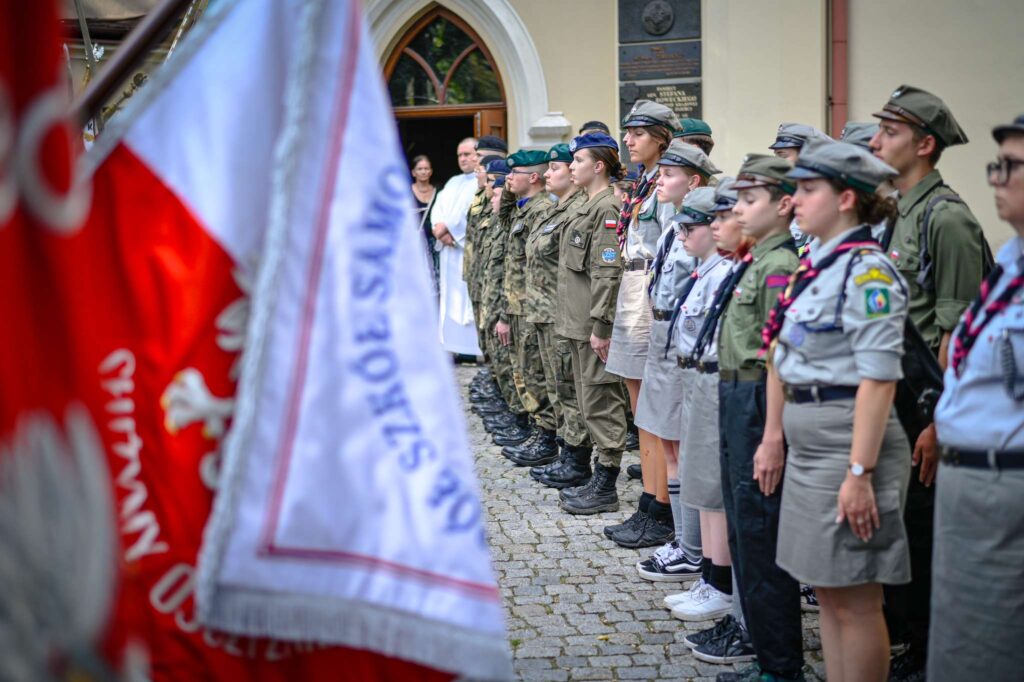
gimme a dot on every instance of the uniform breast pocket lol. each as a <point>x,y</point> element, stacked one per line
<point>1008,347</point>
<point>576,243</point>
<point>907,262</point>
<point>812,329</point>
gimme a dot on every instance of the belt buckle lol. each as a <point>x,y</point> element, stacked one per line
<point>950,456</point>
<point>993,461</point>
<point>816,393</point>
<point>787,393</point>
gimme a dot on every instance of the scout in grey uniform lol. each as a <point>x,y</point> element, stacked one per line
<point>938,246</point>
<point>836,339</point>
<point>789,140</point>
<point>588,280</point>
<point>977,624</point>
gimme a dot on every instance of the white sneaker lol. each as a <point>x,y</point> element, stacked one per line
<point>674,600</point>
<point>706,603</point>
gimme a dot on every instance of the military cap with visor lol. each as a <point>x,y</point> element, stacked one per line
<point>560,152</point>
<point>858,133</point>
<point>726,196</point>
<point>1015,128</point>
<point>592,140</point>
<point>794,136</point>
<point>492,143</point>
<point>851,165</point>
<point>527,158</point>
<point>686,155</point>
<point>761,170</point>
<point>698,208</point>
<point>924,110</point>
<point>648,113</point>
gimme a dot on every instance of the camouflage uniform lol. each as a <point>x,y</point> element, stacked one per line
<point>527,370</point>
<point>470,247</point>
<point>492,299</point>
<point>541,300</point>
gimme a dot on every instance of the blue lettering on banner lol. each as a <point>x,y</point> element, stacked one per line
<point>377,365</point>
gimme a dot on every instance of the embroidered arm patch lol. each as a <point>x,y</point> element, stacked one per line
<point>776,281</point>
<point>876,303</point>
<point>872,275</point>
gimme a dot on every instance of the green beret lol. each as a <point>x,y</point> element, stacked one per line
<point>692,126</point>
<point>917,107</point>
<point>648,113</point>
<point>854,166</point>
<point>680,153</point>
<point>761,170</point>
<point>560,152</point>
<point>526,158</point>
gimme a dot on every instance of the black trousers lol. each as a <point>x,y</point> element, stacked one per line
<point>770,597</point>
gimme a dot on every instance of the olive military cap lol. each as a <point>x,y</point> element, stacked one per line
<point>698,207</point>
<point>648,113</point>
<point>692,126</point>
<point>725,194</point>
<point>761,170</point>
<point>595,125</point>
<point>593,140</point>
<point>492,143</point>
<point>848,163</point>
<point>1015,128</point>
<point>527,158</point>
<point>920,108</point>
<point>560,152</point>
<point>497,167</point>
<point>858,133</point>
<point>681,154</point>
<point>794,136</point>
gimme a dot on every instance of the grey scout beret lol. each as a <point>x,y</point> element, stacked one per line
<point>858,133</point>
<point>648,113</point>
<point>680,153</point>
<point>848,163</point>
<point>761,170</point>
<point>794,136</point>
<point>698,207</point>
<point>726,195</point>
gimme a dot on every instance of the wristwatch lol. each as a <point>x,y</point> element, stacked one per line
<point>858,469</point>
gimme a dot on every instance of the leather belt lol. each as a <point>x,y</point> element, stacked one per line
<point>700,366</point>
<point>982,459</point>
<point>743,374</point>
<point>637,264</point>
<point>661,315</point>
<point>818,394</point>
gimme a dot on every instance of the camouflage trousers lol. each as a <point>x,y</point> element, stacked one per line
<point>499,358</point>
<point>556,356</point>
<point>528,373</point>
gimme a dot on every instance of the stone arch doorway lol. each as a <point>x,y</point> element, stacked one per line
<point>444,86</point>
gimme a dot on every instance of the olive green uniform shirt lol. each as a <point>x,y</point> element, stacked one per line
<point>542,245</point>
<point>955,248</point>
<point>481,247</point>
<point>589,270</point>
<point>739,339</point>
<point>523,220</point>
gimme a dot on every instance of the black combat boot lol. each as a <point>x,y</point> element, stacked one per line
<point>515,434</point>
<point>570,471</point>
<point>598,495</point>
<point>543,450</point>
<point>495,406</point>
<point>634,473</point>
<point>511,450</point>
<point>498,422</point>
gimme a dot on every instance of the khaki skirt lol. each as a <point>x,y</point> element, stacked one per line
<point>631,333</point>
<point>659,407</point>
<point>700,469</point>
<point>812,547</point>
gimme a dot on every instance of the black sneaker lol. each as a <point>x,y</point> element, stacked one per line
<point>731,646</point>
<point>696,639</point>
<point>627,525</point>
<point>808,599</point>
<point>908,666</point>
<point>634,473</point>
<point>668,565</point>
<point>751,673</point>
<point>632,441</point>
<point>647,532</point>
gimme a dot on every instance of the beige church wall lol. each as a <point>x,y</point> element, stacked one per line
<point>764,63</point>
<point>968,53</point>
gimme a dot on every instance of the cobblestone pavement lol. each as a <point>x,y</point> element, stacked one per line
<point>576,607</point>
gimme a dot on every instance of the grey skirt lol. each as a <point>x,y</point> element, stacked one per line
<point>812,547</point>
<point>700,470</point>
<point>659,407</point>
<point>631,333</point>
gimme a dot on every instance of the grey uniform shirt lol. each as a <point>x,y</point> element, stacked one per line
<point>673,273</point>
<point>710,276</point>
<point>848,324</point>
<point>645,229</point>
<point>976,411</point>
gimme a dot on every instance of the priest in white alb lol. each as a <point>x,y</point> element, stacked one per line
<point>456,324</point>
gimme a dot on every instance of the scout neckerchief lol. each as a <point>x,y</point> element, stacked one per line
<point>687,288</point>
<point>970,329</point>
<point>639,193</point>
<point>718,306</point>
<point>659,260</point>
<point>802,278</point>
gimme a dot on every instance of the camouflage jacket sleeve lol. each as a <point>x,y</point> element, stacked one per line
<point>605,269</point>
<point>505,210</point>
<point>955,246</point>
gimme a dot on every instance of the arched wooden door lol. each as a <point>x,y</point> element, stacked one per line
<point>444,86</point>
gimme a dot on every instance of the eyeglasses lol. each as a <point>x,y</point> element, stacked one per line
<point>998,172</point>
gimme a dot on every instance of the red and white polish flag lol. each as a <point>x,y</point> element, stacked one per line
<point>236,302</point>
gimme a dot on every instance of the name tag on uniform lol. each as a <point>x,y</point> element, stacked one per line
<point>576,238</point>
<point>548,229</point>
<point>517,228</point>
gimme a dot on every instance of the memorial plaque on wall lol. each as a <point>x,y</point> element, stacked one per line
<point>649,20</point>
<point>682,98</point>
<point>656,61</point>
